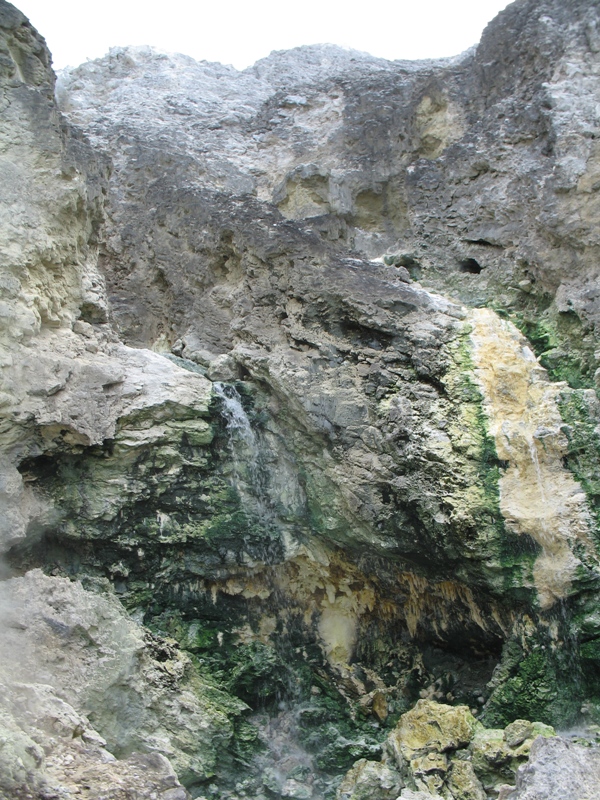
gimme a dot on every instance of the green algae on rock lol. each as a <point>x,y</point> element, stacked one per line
<point>262,387</point>
<point>442,750</point>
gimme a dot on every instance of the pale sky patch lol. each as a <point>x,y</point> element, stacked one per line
<point>240,32</point>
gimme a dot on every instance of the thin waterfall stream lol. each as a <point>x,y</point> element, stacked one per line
<point>287,769</point>
<point>248,476</point>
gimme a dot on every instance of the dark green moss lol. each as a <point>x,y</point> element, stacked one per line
<point>263,677</point>
<point>561,341</point>
<point>525,695</point>
<point>583,457</point>
<point>258,675</point>
<point>336,754</point>
<point>514,554</point>
<point>590,650</point>
<point>246,744</point>
<point>337,736</point>
<point>145,516</point>
<point>537,681</point>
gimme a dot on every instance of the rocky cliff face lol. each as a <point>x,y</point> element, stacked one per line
<point>299,369</point>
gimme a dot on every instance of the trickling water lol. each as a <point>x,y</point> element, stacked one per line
<point>540,481</point>
<point>287,769</point>
<point>238,423</point>
<point>248,474</point>
<point>570,650</point>
<point>538,471</point>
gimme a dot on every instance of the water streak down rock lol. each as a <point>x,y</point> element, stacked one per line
<point>300,368</point>
<point>245,452</point>
<point>538,495</point>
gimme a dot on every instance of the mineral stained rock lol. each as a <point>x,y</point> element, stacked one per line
<point>442,751</point>
<point>298,415</point>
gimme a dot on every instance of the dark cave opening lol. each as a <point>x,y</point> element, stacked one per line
<point>470,266</point>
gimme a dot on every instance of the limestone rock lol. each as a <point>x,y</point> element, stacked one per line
<point>443,750</point>
<point>404,506</point>
<point>223,368</point>
<point>558,769</point>
<point>537,495</point>
<point>370,780</point>
<point>497,754</point>
<point>315,305</point>
<point>66,380</point>
<point>343,346</point>
<point>432,727</point>
<point>517,732</point>
<point>463,783</point>
<point>424,743</point>
<point>112,687</point>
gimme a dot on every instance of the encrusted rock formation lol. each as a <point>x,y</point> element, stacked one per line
<point>439,750</point>
<point>299,414</point>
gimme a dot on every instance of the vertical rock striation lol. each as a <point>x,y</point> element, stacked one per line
<point>538,495</point>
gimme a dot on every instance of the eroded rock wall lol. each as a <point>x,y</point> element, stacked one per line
<point>266,378</point>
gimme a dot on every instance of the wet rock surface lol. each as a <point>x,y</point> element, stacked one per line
<point>299,417</point>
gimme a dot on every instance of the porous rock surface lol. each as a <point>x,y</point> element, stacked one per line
<point>437,750</point>
<point>557,768</point>
<point>72,661</point>
<point>299,365</point>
